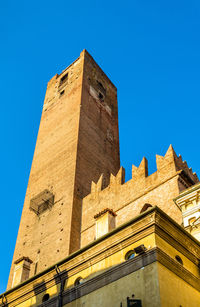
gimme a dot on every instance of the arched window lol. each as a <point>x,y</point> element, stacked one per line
<point>78,281</point>
<point>145,207</point>
<point>130,254</point>
<point>192,220</point>
<point>45,297</point>
<point>178,258</point>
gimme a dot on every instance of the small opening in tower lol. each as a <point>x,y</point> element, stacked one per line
<point>101,87</point>
<point>45,297</point>
<point>63,79</point>
<point>100,84</point>
<point>62,93</point>
<point>100,96</point>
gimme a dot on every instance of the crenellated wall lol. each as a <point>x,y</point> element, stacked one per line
<point>128,199</point>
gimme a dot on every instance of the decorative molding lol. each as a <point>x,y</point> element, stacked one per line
<point>153,221</point>
<point>107,277</point>
<point>176,238</point>
<point>96,216</point>
<point>23,258</point>
<point>189,190</point>
<point>178,269</point>
<point>124,269</point>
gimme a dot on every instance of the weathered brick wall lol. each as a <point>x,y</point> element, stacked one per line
<point>99,124</point>
<point>98,140</point>
<point>67,158</point>
<point>45,239</point>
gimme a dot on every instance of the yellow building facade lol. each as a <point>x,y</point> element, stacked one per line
<point>87,237</point>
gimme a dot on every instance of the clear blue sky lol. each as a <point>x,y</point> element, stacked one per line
<point>149,49</point>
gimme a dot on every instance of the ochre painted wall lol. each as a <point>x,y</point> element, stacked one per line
<point>143,284</point>
<point>174,291</point>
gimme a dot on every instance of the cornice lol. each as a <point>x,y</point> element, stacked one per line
<point>155,255</point>
<point>178,269</point>
<point>176,238</point>
<point>189,190</point>
<point>153,221</point>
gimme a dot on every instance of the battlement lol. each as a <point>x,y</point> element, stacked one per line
<point>119,179</point>
<point>176,162</point>
<point>128,198</point>
<point>166,165</point>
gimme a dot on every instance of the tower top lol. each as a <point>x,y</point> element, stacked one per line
<point>84,53</point>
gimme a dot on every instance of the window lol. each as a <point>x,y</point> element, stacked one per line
<point>191,220</point>
<point>130,255</point>
<point>78,281</point>
<point>178,258</point>
<point>63,79</point>
<point>62,93</point>
<point>101,96</point>
<point>45,297</point>
<point>101,87</point>
<point>100,84</point>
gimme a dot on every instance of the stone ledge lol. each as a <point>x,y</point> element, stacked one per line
<point>125,268</point>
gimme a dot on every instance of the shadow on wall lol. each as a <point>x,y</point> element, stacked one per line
<point>45,298</point>
<point>42,295</point>
<point>93,282</point>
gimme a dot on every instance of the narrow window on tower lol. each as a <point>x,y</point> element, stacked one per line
<point>63,79</point>
<point>62,93</point>
<point>101,91</point>
<point>101,97</point>
<point>101,87</point>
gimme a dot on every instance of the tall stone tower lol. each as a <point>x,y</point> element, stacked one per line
<point>77,141</point>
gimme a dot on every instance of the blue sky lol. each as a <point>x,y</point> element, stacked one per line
<point>149,49</point>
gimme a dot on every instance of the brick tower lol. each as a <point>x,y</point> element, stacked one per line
<point>77,141</point>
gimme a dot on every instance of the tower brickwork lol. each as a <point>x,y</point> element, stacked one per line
<point>77,141</point>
